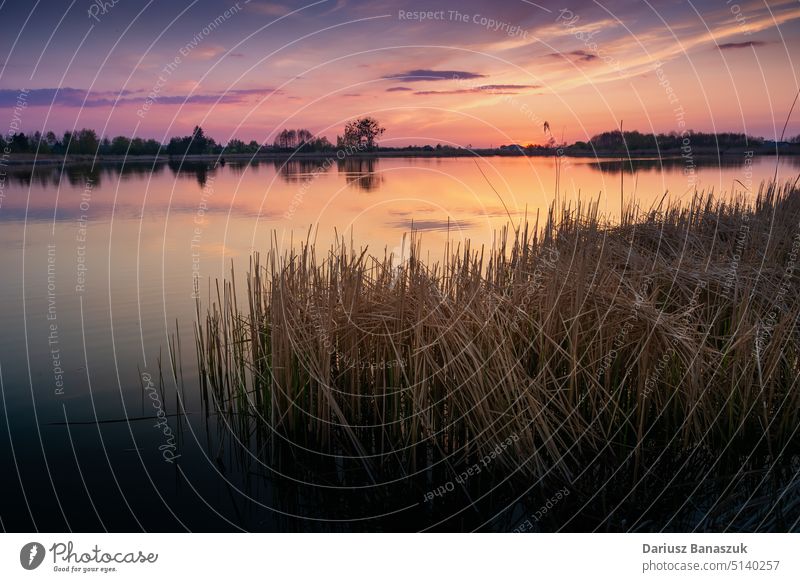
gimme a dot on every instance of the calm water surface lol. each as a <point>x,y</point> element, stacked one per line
<point>99,267</point>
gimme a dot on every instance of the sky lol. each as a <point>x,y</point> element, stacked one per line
<point>469,72</point>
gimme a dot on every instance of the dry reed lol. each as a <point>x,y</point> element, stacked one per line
<point>670,329</point>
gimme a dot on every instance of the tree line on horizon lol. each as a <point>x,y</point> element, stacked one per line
<point>360,134</point>
<point>634,140</point>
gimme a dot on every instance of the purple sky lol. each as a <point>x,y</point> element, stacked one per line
<point>470,72</point>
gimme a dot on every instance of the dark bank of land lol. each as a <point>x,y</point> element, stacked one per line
<point>360,141</point>
<point>28,160</point>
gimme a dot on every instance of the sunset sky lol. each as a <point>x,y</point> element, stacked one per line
<point>472,72</point>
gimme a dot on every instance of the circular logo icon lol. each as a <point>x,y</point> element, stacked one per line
<point>31,555</point>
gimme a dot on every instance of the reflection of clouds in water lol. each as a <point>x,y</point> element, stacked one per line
<point>478,210</point>
<point>432,225</point>
<point>488,212</point>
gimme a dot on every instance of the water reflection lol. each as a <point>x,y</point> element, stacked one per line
<point>361,173</point>
<point>146,242</point>
<point>199,170</point>
<point>296,170</point>
<point>295,193</point>
<point>612,166</point>
<point>52,174</point>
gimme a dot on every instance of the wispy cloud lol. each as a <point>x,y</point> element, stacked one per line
<point>234,96</point>
<point>739,45</point>
<point>206,52</point>
<point>66,96</point>
<point>494,89</point>
<point>433,75</point>
<point>576,55</point>
<point>276,9</point>
<point>69,97</point>
<point>432,224</point>
<point>394,89</point>
<point>509,87</point>
<point>661,47</point>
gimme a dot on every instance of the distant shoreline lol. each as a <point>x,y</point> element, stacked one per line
<point>26,160</point>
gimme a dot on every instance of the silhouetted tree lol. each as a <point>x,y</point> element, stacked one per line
<point>39,143</point>
<point>52,140</point>
<point>300,140</point>
<point>19,143</point>
<point>362,132</point>
<point>199,141</point>
<point>119,145</point>
<point>304,137</point>
<point>612,140</point>
<point>194,144</point>
<point>236,146</point>
<point>87,141</point>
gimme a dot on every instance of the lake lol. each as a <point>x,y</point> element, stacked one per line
<point>101,267</point>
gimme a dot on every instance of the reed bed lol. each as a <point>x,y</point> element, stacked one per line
<point>571,339</point>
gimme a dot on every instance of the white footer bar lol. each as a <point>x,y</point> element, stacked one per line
<point>400,557</point>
